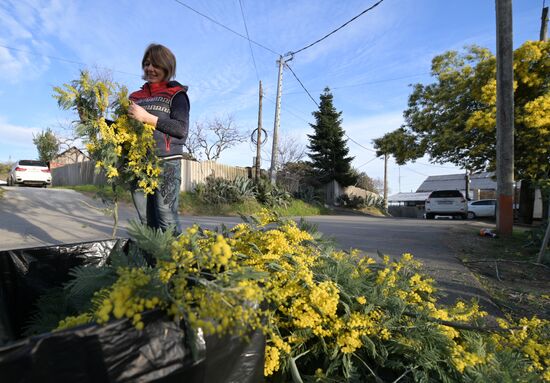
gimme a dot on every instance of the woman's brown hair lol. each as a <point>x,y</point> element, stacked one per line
<point>161,57</point>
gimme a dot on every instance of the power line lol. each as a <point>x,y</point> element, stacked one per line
<point>225,27</point>
<point>63,59</point>
<point>286,109</point>
<point>294,74</point>
<point>107,68</point>
<point>336,30</point>
<point>369,82</point>
<point>414,171</point>
<point>436,166</point>
<point>368,162</point>
<point>357,143</point>
<point>416,162</point>
<point>381,81</point>
<point>309,94</point>
<point>248,38</point>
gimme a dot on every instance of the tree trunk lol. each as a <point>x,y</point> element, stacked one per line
<point>526,202</point>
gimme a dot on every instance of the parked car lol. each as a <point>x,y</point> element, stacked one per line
<point>30,172</point>
<point>482,208</point>
<point>446,203</point>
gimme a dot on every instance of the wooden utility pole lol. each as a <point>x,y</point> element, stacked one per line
<point>385,182</point>
<point>274,152</point>
<point>259,138</point>
<point>399,168</point>
<point>544,244</point>
<point>467,185</point>
<point>543,29</point>
<point>505,118</point>
<point>544,24</point>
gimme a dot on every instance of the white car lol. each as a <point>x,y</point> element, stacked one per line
<point>30,172</point>
<point>482,208</point>
<point>446,203</point>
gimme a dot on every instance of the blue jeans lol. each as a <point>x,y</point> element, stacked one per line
<point>160,210</point>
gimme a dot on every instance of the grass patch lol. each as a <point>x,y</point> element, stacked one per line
<point>374,211</point>
<point>5,168</point>
<point>507,269</point>
<point>190,204</point>
<point>2,191</point>
<point>96,191</point>
<point>515,247</point>
<point>299,208</point>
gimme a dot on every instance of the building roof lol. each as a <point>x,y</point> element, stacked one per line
<point>408,197</point>
<point>72,149</point>
<point>483,181</point>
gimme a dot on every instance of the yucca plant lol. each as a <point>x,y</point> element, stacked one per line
<point>218,190</point>
<point>272,195</point>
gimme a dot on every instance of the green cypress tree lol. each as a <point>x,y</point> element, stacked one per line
<point>327,147</point>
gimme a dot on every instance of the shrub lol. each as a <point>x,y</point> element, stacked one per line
<point>353,202</point>
<point>329,316</point>
<point>358,202</point>
<point>218,191</point>
<point>309,194</point>
<point>271,195</point>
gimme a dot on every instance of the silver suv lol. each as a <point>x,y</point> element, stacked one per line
<point>446,202</point>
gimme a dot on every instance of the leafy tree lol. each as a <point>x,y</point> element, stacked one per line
<point>368,183</point>
<point>328,150</point>
<point>47,145</point>
<point>454,119</point>
<point>402,144</point>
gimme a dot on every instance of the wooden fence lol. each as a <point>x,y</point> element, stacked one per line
<point>192,173</point>
<point>80,173</point>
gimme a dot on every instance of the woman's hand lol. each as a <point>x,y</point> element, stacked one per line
<point>138,113</point>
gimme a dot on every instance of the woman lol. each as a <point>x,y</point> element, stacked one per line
<point>163,104</point>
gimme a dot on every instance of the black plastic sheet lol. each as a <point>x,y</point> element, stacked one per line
<point>25,274</point>
<point>116,352</point>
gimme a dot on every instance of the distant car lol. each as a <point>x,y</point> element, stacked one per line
<point>482,208</point>
<point>446,203</point>
<point>30,172</point>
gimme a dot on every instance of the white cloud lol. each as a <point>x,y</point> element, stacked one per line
<point>23,54</point>
<point>16,141</point>
<point>15,18</point>
<point>12,67</point>
<point>14,134</point>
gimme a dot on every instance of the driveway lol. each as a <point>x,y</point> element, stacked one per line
<point>32,217</point>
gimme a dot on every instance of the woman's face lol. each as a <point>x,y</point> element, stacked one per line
<point>152,73</point>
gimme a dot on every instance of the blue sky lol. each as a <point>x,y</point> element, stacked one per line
<point>368,65</point>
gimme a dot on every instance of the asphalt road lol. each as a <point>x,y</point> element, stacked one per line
<point>31,217</point>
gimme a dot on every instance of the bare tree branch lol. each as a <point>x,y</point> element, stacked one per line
<point>209,139</point>
<point>67,137</point>
<point>290,150</point>
<point>194,138</point>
